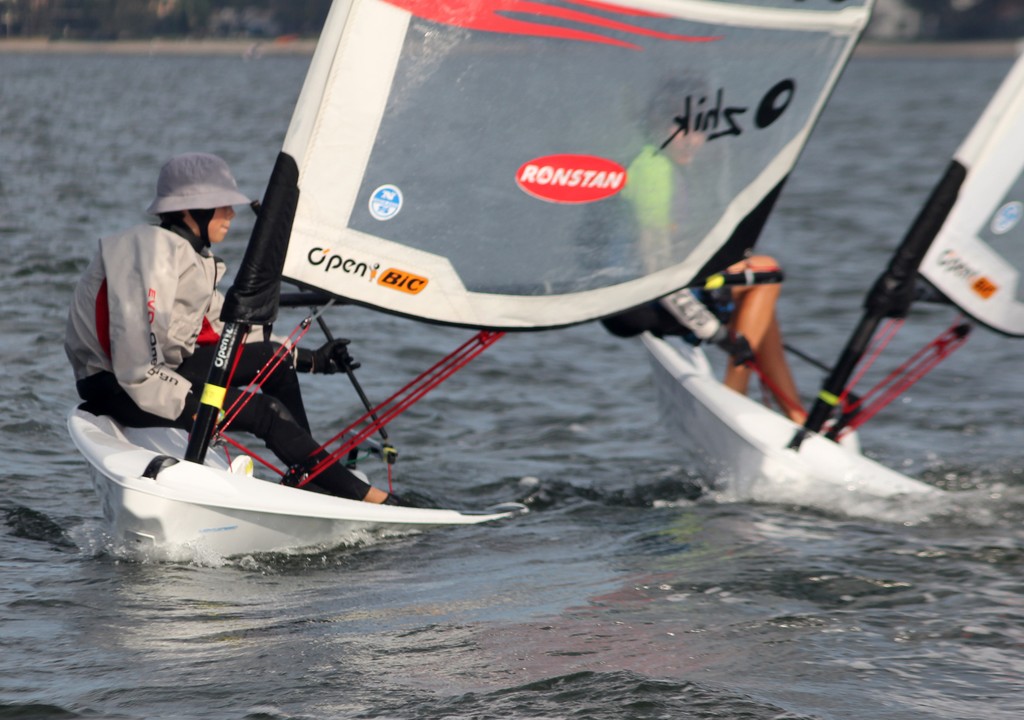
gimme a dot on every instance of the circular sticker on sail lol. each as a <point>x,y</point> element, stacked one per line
<point>385,202</point>
<point>1007,218</point>
<point>571,179</point>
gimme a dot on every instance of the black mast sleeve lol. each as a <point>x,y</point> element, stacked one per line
<point>891,296</point>
<point>254,297</point>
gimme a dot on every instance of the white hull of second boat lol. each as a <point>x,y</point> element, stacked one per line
<point>188,510</point>
<point>745,444</point>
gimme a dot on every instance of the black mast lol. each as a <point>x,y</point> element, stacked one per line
<point>890,297</point>
<point>253,298</point>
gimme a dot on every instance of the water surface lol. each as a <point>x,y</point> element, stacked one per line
<point>618,596</point>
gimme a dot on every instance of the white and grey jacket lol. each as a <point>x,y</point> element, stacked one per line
<point>138,311</point>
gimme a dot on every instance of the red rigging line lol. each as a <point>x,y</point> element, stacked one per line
<point>855,411</point>
<point>402,400</point>
<point>375,418</point>
<point>905,376</point>
<point>261,376</point>
<point>493,16</point>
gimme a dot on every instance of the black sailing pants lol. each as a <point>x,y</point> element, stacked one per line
<point>277,415</point>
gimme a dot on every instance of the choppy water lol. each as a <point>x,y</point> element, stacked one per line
<point>617,597</point>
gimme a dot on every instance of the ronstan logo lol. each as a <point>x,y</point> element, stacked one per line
<point>571,178</point>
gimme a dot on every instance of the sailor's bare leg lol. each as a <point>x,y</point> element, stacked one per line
<point>755,319</point>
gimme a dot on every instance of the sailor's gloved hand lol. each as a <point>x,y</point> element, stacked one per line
<point>340,356</point>
<point>735,345</point>
<point>327,359</point>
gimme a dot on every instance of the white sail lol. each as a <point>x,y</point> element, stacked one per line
<point>498,163</point>
<point>975,258</point>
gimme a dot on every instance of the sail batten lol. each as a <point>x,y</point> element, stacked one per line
<point>513,165</point>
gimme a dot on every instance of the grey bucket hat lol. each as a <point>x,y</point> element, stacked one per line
<point>195,181</point>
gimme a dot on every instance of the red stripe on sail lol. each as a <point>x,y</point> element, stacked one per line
<point>485,16</point>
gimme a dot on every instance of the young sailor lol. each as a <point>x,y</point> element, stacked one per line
<point>661,197</point>
<point>144,325</point>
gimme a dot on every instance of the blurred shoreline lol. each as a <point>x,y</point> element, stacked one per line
<point>304,46</point>
<point>160,46</point>
<point>967,49</point>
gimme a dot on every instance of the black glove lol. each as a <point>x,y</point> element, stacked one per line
<point>327,359</point>
<point>736,345</point>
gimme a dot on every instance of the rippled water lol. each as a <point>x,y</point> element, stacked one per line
<point>618,596</point>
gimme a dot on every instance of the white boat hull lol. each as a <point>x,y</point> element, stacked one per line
<point>745,444</point>
<point>189,509</point>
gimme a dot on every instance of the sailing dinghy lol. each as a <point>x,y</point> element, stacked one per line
<point>964,248</point>
<point>180,510</point>
<point>744,445</point>
<point>482,165</point>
